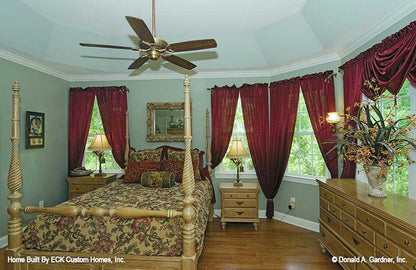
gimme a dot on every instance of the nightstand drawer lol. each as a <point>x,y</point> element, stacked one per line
<point>244,203</point>
<point>230,195</point>
<point>83,188</point>
<point>239,212</point>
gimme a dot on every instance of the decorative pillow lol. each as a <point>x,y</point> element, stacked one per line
<point>146,155</point>
<point>196,156</point>
<point>176,168</point>
<point>157,179</point>
<point>135,169</point>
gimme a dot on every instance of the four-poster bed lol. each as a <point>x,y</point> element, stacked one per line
<point>187,213</point>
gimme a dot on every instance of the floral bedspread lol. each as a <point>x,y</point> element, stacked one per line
<point>148,236</point>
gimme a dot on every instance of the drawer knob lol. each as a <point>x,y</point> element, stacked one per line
<point>356,242</point>
<point>343,204</point>
<point>333,211</point>
<point>239,203</point>
<point>368,219</point>
<point>329,219</point>
<point>407,242</point>
<point>240,213</point>
<point>364,232</point>
<point>323,234</point>
<point>414,267</point>
<point>347,220</point>
<point>385,246</point>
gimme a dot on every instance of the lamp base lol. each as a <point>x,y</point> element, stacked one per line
<point>99,174</point>
<point>238,184</point>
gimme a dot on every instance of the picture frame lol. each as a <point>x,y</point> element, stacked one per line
<point>35,130</point>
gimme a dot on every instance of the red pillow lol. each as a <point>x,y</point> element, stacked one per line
<point>135,169</point>
<point>176,167</point>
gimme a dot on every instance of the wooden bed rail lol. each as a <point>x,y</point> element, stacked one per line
<point>122,212</point>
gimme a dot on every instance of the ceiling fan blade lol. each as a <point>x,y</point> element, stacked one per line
<point>141,29</point>
<point>139,62</point>
<point>179,61</point>
<point>193,45</point>
<point>108,46</point>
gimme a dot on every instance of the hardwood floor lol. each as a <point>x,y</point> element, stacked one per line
<point>276,245</point>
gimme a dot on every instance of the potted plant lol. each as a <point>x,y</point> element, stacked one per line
<point>374,139</point>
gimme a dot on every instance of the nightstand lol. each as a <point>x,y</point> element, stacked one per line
<point>239,204</point>
<point>84,184</point>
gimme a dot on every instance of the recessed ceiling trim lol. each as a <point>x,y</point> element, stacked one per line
<point>402,11</point>
<point>24,61</point>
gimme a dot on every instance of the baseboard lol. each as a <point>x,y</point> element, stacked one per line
<point>3,240</point>
<point>300,222</point>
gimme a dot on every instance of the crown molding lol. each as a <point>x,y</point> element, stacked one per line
<point>33,64</point>
<point>383,24</point>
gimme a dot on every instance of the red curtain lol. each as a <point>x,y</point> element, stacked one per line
<point>284,98</point>
<point>353,81</point>
<point>112,101</point>
<point>254,102</point>
<point>81,103</point>
<point>223,106</point>
<point>319,94</point>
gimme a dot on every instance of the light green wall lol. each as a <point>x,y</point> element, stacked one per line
<point>45,169</point>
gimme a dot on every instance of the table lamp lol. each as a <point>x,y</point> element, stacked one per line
<point>236,153</point>
<point>98,146</point>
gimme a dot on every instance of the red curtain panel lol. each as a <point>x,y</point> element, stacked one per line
<point>284,98</point>
<point>254,102</point>
<point>81,103</point>
<point>112,101</point>
<point>319,94</point>
<point>223,106</point>
<point>353,80</point>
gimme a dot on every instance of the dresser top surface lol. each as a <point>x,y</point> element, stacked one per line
<point>394,205</point>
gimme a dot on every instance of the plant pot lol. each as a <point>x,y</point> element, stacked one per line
<point>376,181</point>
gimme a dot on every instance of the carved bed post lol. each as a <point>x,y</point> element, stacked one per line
<point>127,149</point>
<point>209,156</point>
<point>14,183</point>
<point>188,185</point>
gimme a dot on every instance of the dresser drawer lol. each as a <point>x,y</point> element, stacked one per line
<point>386,246</point>
<point>240,203</point>
<point>386,265</point>
<point>348,220</point>
<point>410,260</point>
<point>83,188</point>
<point>230,195</point>
<point>363,266</point>
<point>327,195</point>
<point>400,237</point>
<point>330,220</point>
<point>365,231</point>
<point>344,205</point>
<point>239,212</point>
<point>323,203</point>
<point>357,242</point>
<point>334,211</point>
<point>370,220</point>
<point>330,240</point>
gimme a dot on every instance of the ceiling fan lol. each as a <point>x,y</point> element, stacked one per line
<point>154,47</point>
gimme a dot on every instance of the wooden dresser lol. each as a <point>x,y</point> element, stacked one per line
<point>84,184</point>
<point>239,204</point>
<point>355,225</point>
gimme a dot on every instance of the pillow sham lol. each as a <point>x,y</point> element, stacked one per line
<point>196,157</point>
<point>157,179</point>
<point>146,155</point>
<point>176,168</point>
<point>135,169</point>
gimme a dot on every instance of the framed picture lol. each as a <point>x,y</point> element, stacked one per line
<point>35,130</point>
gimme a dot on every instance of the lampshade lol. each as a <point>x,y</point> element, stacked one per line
<point>237,150</point>
<point>100,143</point>
<point>333,117</point>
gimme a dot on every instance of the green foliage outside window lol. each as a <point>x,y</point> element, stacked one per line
<point>91,160</point>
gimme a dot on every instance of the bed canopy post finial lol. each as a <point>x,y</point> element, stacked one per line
<point>208,136</point>
<point>15,179</point>
<point>127,148</point>
<point>188,185</point>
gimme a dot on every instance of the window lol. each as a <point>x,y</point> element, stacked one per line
<point>398,177</point>
<point>239,132</point>
<point>90,161</point>
<point>305,157</point>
